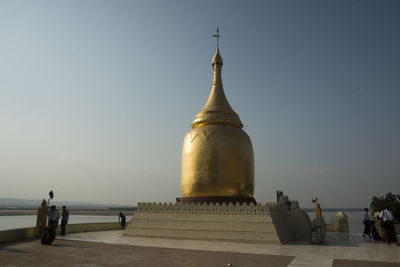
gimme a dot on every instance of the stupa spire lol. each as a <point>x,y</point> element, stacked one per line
<point>217,155</point>
<point>217,110</point>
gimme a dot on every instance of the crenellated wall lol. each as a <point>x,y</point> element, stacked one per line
<point>204,208</point>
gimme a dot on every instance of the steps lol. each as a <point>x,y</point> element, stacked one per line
<point>244,223</point>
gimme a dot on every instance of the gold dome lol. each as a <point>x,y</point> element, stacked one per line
<point>217,155</point>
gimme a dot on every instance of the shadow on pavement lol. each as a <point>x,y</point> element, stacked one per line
<point>13,250</point>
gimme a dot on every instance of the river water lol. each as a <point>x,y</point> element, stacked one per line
<point>23,221</point>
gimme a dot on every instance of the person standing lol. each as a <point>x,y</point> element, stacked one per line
<point>64,219</point>
<point>41,218</point>
<point>122,220</point>
<point>53,216</point>
<point>367,223</point>
<point>389,233</point>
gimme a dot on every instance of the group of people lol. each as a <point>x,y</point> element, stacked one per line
<point>386,222</point>
<point>48,219</point>
<point>54,217</point>
<point>47,222</point>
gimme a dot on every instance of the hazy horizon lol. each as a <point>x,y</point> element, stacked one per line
<point>36,202</point>
<point>97,96</point>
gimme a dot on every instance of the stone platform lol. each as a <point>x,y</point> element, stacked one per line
<point>260,223</point>
<point>112,248</point>
<point>65,252</point>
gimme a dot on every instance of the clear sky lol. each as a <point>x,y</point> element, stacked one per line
<point>97,96</point>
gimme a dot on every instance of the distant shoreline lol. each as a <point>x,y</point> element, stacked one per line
<point>98,212</point>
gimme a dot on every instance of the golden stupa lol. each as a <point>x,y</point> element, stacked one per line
<point>217,155</point>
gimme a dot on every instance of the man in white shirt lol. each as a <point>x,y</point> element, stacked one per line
<point>386,215</point>
<point>389,233</point>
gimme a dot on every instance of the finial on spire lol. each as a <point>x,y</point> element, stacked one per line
<point>216,35</point>
<point>217,57</point>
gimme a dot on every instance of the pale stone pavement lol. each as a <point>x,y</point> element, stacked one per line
<point>338,246</point>
<point>70,253</point>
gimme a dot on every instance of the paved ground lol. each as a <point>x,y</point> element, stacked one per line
<point>112,248</point>
<point>78,253</point>
<point>354,263</point>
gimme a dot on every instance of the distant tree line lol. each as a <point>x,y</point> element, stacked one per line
<point>391,201</point>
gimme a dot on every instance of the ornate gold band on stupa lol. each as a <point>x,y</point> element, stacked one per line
<point>217,117</point>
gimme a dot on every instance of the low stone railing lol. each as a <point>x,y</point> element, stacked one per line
<point>30,232</point>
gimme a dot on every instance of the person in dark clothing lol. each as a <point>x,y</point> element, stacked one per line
<point>367,223</point>
<point>122,220</point>
<point>389,232</point>
<point>64,219</point>
<point>374,232</point>
<point>53,217</point>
